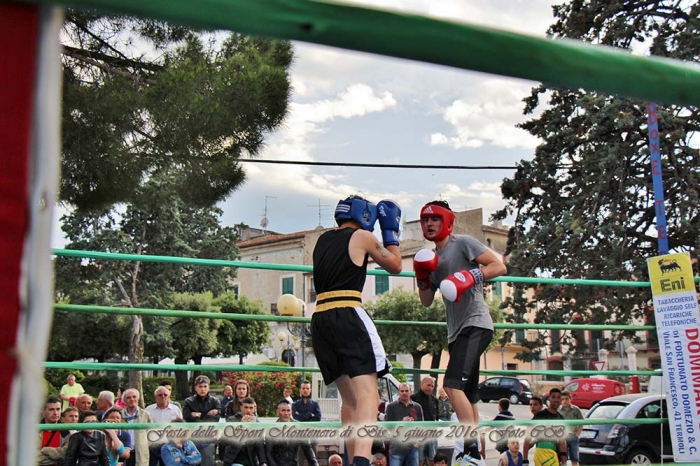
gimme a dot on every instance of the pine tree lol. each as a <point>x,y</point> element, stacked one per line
<point>584,206</point>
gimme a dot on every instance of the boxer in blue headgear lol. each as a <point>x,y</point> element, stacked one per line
<point>358,209</point>
<point>347,346</point>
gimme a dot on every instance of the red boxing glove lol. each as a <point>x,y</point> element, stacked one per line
<point>424,262</point>
<point>456,284</point>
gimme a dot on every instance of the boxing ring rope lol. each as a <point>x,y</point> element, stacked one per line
<point>307,268</point>
<point>559,62</point>
<point>270,318</point>
<point>78,254</point>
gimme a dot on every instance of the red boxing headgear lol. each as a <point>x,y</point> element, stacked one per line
<point>447,216</point>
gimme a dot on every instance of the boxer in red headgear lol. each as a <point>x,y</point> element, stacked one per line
<point>458,266</point>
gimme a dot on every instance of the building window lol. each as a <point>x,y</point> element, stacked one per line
<point>312,290</point>
<point>288,285</point>
<point>381,284</point>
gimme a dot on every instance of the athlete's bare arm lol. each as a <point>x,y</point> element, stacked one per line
<point>426,296</point>
<point>491,264</point>
<point>364,242</point>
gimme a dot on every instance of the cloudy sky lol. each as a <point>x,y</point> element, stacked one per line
<point>362,108</point>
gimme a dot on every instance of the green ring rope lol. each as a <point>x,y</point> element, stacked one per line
<point>307,268</point>
<point>270,318</point>
<point>112,366</point>
<point>560,62</point>
<point>337,425</point>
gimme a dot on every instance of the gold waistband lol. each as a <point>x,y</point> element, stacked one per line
<point>335,299</point>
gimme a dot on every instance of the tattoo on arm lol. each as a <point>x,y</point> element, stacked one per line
<point>381,249</point>
<point>501,462</point>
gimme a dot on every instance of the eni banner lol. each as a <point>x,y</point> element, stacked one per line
<point>678,327</point>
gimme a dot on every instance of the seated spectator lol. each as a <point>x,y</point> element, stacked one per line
<point>378,459</point>
<point>84,403</point>
<point>504,414</point>
<point>162,411</point>
<point>87,446</point>
<point>285,452</point>
<point>119,442</point>
<point>251,452</point>
<point>512,456</point>
<point>104,402</point>
<point>69,416</point>
<point>179,451</point>
<point>50,440</point>
<point>440,459</point>
<point>169,385</point>
<point>118,397</point>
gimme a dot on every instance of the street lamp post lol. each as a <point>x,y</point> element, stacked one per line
<point>303,340</point>
<point>290,305</point>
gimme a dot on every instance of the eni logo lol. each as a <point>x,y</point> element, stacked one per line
<point>667,284</point>
<point>669,265</point>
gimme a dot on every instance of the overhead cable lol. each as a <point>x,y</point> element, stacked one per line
<point>382,165</point>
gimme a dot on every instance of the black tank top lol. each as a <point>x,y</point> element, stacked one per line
<point>333,268</point>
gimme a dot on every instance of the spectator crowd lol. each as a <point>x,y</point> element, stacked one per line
<point>112,447</point>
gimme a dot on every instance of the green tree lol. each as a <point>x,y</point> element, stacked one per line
<point>193,339</point>
<point>584,206</point>
<point>144,98</point>
<point>159,223</point>
<point>238,336</point>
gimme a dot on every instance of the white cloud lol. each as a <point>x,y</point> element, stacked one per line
<point>356,100</point>
<point>296,141</point>
<point>432,110</point>
<point>438,139</point>
<point>489,112</point>
<point>474,195</point>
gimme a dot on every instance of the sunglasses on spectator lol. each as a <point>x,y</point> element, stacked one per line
<point>201,380</point>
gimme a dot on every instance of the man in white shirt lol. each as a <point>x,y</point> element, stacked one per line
<point>161,411</point>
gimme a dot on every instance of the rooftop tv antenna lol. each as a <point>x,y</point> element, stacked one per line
<point>320,209</point>
<point>264,221</point>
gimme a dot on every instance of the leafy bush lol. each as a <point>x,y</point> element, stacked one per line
<point>400,377</point>
<point>266,387</point>
<point>50,389</point>
<point>94,384</point>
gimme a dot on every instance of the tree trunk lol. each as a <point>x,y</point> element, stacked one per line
<point>135,342</point>
<point>136,356</point>
<point>435,364</point>
<point>417,356</point>
<point>182,386</point>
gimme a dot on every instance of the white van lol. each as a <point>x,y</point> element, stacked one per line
<point>656,384</point>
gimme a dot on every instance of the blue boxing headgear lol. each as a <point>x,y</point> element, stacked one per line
<point>358,209</point>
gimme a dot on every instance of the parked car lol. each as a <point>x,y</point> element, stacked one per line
<point>515,389</point>
<point>585,393</point>
<point>626,443</point>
